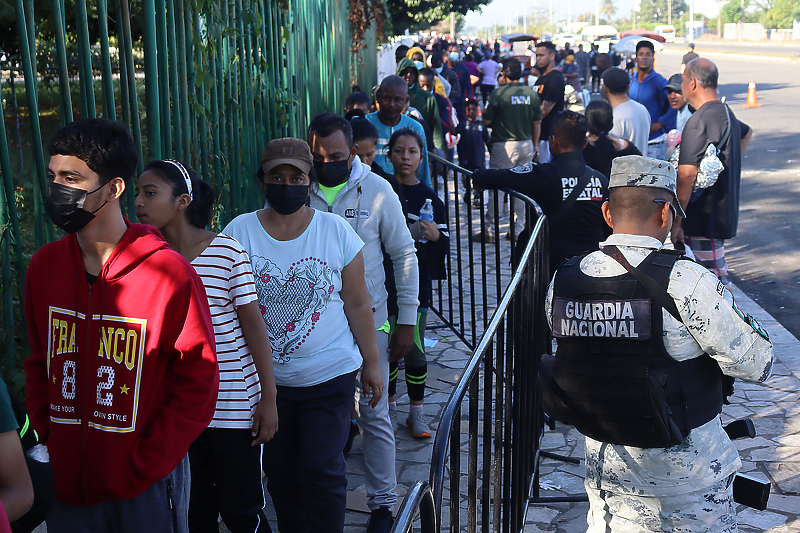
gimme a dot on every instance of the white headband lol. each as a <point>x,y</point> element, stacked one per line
<point>184,173</point>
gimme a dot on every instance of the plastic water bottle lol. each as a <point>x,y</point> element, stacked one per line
<point>673,138</point>
<point>39,453</point>
<point>426,214</point>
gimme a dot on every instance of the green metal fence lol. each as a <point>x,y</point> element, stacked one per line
<point>205,81</point>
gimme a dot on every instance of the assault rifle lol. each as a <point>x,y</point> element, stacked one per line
<point>747,490</point>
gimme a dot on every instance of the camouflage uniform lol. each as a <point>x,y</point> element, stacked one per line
<point>632,484</point>
<point>685,487</point>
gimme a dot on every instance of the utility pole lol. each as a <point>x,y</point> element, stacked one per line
<point>453,25</point>
<point>525,18</point>
<point>669,15</point>
<point>596,12</point>
<point>741,22</point>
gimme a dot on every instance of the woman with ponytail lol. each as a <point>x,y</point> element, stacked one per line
<point>603,148</point>
<point>225,459</point>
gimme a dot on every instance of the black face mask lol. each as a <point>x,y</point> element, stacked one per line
<point>64,206</point>
<point>332,174</point>
<point>286,199</point>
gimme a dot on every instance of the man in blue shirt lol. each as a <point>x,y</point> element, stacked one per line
<point>392,98</point>
<point>649,88</point>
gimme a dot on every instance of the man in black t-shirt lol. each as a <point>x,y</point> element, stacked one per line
<point>688,56</point>
<point>581,227</point>
<point>550,87</point>
<point>712,214</point>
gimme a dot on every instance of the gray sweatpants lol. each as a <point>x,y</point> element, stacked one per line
<point>378,437</point>
<point>508,154</point>
<point>150,511</point>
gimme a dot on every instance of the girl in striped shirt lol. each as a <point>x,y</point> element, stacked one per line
<point>225,459</point>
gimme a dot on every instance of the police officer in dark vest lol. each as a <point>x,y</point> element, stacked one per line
<point>647,344</point>
<point>569,192</point>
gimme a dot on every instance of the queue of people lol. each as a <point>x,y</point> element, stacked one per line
<point>270,346</point>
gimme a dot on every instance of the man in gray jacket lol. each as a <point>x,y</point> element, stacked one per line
<point>347,187</point>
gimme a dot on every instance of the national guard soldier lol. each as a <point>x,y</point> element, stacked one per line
<point>648,342</point>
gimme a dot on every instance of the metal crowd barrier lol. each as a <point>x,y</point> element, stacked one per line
<point>496,396</point>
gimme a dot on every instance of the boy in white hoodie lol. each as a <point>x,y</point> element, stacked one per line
<point>349,188</point>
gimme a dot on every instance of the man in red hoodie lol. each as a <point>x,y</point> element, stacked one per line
<point>123,374</point>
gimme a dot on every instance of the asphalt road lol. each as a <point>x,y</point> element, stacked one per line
<point>764,257</point>
<point>786,50</point>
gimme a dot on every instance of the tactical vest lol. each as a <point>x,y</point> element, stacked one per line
<point>612,377</point>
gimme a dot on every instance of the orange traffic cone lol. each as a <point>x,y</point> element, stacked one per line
<point>752,99</point>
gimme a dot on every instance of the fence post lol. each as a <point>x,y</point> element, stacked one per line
<point>63,71</point>
<point>85,56</point>
<point>109,107</point>
<point>9,229</point>
<point>151,79</point>
<point>40,181</point>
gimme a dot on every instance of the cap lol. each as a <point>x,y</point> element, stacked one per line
<point>616,80</point>
<point>674,83</point>
<point>691,45</point>
<point>640,171</point>
<point>287,151</point>
<point>569,59</point>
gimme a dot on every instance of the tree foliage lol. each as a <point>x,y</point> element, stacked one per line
<point>363,13</point>
<point>406,14</point>
<point>608,9</point>
<point>733,11</point>
<point>782,14</point>
<point>658,10</point>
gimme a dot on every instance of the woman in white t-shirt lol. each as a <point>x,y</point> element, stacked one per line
<point>312,293</point>
<point>225,459</point>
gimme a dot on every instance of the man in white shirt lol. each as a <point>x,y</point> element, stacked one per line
<point>631,119</point>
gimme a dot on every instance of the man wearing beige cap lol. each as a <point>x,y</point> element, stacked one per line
<point>632,321</point>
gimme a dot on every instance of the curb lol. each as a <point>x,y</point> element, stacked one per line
<point>738,55</point>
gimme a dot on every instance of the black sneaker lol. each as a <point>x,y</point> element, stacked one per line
<point>380,520</point>
<point>354,430</point>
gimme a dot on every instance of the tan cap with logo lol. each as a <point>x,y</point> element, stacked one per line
<point>640,171</point>
<point>287,151</point>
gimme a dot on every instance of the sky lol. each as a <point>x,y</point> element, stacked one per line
<point>504,11</point>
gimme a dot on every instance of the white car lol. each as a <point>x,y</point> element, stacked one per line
<point>667,31</point>
<point>563,38</point>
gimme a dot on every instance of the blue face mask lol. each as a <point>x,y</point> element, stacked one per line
<point>453,56</point>
<point>438,70</point>
<point>419,64</point>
